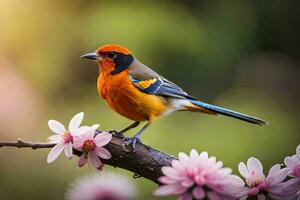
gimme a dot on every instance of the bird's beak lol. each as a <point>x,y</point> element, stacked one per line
<point>91,56</point>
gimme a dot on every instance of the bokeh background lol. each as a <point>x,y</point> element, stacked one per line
<point>243,55</point>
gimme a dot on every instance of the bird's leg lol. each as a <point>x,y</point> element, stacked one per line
<point>131,126</point>
<point>136,138</point>
<point>121,132</point>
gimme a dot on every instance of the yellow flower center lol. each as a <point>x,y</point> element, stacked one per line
<point>88,146</point>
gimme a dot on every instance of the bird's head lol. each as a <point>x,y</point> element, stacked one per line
<point>113,58</point>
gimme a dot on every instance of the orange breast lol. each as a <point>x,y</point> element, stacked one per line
<point>123,97</point>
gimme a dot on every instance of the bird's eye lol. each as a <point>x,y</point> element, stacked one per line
<point>111,54</point>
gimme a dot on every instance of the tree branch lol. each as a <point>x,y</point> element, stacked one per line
<point>25,144</point>
<point>143,162</point>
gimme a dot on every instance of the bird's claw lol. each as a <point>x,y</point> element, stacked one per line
<point>130,142</point>
<point>116,133</point>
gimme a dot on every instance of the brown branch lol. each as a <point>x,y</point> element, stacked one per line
<point>143,162</point>
<point>25,144</point>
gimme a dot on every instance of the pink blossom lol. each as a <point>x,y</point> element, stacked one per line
<point>92,147</point>
<point>64,138</point>
<point>198,177</point>
<point>258,184</point>
<point>102,186</point>
<point>293,163</point>
<point>292,186</point>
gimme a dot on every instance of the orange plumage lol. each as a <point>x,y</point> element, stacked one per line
<point>114,48</point>
<point>124,98</point>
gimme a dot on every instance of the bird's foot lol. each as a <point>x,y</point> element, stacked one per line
<point>116,133</point>
<point>130,142</point>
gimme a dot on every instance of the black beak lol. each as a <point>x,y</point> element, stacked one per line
<point>91,56</point>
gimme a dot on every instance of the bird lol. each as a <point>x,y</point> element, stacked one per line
<point>140,94</point>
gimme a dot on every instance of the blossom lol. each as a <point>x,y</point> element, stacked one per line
<point>64,138</point>
<point>258,184</point>
<point>92,147</point>
<point>198,177</point>
<point>102,186</point>
<point>293,163</point>
<point>292,186</point>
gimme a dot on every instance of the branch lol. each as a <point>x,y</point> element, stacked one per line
<point>25,144</point>
<point>143,162</point>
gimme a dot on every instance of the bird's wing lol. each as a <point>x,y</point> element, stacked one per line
<point>151,82</point>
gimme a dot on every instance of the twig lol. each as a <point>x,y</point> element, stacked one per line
<point>143,162</point>
<point>25,144</point>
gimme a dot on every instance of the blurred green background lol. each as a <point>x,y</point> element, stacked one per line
<point>243,55</point>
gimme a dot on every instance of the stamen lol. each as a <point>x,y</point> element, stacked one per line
<point>88,146</point>
<point>67,137</point>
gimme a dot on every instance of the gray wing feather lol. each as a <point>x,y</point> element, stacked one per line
<point>163,87</point>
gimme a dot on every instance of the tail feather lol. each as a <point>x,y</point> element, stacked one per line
<point>228,112</point>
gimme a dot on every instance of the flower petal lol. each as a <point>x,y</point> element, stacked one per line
<point>243,170</point>
<point>186,196</point>
<point>224,171</point>
<point>200,180</point>
<point>278,176</point>
<point>291,161</point>
<point>89,134</point>
<point>94,160</point>
<point>82,160</point>
<point>103,139</point>
<point>103,153</point>
<point>198,192</point>
<point>68,150</point>
<point>95,126</point>
<point>166,190</point>
<point>56,127</point>
<point>203,155</point>
<point>213,196</point>
<point>166,180</point>
<point>75,122</point>
<point>236,188</point>
<point>187,183</point>
<point>55,152</point>
<point>78,142</point>
<point>55,139</point>
<point>254,190</point>
<point>298,150</point>
<point>274,170</point>
<point>235,181</point>
<point>194,154</point>
<point>182,157</point>
<point>176,164</point>
<point>261,197</point>
<point>172,173</point>
<point>254,165</point>
<point>291,186</point>
<point>243,198</point>
<point>81,130</point>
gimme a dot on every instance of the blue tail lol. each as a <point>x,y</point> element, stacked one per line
<point>228,112</point>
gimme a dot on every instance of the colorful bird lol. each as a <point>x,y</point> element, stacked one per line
<point>138,93</point>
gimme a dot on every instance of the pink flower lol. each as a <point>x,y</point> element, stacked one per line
<point>92,147</point>
<point>64,138</point>
<point>293,163</point>
<point>104,186</point>
<point>198,177</point>
<point>292,186</point>
<point>258,184</point>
